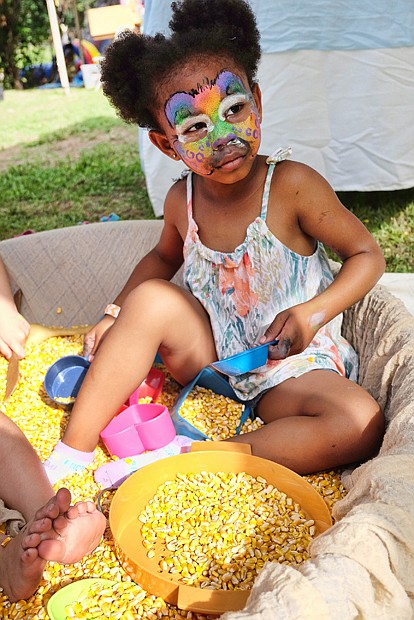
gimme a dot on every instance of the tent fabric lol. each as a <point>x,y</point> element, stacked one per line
<point>362,566</point>
<point>323,25</point>
<point>338,25</point>
<point>347,110</point>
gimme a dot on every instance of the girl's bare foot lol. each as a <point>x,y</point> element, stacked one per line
<point>59,532</point>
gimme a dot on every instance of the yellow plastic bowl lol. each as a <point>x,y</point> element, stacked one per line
<point>134,494</point>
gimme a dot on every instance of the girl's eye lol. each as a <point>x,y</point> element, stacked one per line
<point>195,128</point>
<point>237,106</point>
<point>235,109</point>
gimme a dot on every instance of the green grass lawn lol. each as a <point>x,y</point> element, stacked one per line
<point>66,159</point>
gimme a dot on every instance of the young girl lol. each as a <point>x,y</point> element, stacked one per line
<point>251,231</point>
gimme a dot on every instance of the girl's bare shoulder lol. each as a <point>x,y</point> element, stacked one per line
<point>294,175</point>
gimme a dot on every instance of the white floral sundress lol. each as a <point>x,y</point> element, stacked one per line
<point>242,292</point>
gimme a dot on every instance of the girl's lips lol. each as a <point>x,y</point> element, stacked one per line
<point>232,164</point>
<point>231,157</point>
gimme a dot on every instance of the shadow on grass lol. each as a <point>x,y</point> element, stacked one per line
<point>101,124</point>
<point>390,200</point>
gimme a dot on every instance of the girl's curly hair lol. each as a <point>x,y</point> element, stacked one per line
<point>134,64</point>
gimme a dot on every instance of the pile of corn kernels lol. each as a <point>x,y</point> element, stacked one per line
<point>217,530</point>
<point>43,423</point>
<point>215,415</point>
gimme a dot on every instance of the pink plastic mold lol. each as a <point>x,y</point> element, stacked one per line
<point>138,428</point>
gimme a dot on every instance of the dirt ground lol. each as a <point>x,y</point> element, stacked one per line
<point>70,147</point>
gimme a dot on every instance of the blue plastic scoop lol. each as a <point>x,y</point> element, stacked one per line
<point>245,361</point>
<point>64,379</point>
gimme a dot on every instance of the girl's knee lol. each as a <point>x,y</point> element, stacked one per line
<point>151,295</point>
<point>367,424</point>
<point>150,290</point>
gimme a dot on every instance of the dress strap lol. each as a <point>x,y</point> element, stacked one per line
<point>279,155</point>
<point>189,184</point>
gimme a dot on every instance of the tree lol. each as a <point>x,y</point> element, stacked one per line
<point>24,28</point>
<point>24,25</point>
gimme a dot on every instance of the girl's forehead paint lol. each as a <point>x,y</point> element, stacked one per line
<point>184,104</point>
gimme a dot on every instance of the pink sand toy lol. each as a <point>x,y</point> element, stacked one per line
<point>151,386</point>
<point>138,428</point>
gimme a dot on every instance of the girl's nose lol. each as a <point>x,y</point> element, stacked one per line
<point>221,142</point>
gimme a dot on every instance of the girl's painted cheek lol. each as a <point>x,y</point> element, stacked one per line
<point>196,155</point>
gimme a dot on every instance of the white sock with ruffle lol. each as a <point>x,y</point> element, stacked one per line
<point>65,460</point>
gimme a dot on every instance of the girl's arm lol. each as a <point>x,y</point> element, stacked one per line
<point>14,329</point>
<point>319,215</point>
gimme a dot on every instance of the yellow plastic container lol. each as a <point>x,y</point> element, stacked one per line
<point>134,494</point>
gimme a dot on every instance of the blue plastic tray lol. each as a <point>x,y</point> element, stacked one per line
<point>210,379</point>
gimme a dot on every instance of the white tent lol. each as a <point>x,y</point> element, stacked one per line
<point>338,86</point>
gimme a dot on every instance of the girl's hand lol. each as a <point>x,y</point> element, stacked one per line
<point>14,330</point>
<point>95,336</point>
<point>294,329</point>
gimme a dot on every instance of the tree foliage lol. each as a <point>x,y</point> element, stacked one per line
<point>24,25</point>
<point>24,28</point>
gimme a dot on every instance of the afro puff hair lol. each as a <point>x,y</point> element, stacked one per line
<point>135,64</point>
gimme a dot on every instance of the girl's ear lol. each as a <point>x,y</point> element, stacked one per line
<point>257,96</point>
<point>160,140</point>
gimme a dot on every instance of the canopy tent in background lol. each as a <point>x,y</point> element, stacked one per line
<point>338,86</point>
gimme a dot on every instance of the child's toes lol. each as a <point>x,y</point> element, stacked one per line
<point>31,541</point>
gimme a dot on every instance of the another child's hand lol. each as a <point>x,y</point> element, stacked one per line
<point>14,330</point>
<point>95,336</point>
<point>294,330</point>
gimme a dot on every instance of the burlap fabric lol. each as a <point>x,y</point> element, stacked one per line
<point>13,519</point>
<point>69,275</point>
<point>363,566</point>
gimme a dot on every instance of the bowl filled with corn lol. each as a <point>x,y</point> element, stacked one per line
<point>245,361</point>
<point>198,529</point>
<point>64,378</point>
<point>65,603</point>
<point>209,393</point>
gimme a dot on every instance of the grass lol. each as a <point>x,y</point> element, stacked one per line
<point>66,159</point>
<point>33,116</point>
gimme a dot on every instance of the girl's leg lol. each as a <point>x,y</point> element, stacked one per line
<point>157,316</point>
<point>318,421</point>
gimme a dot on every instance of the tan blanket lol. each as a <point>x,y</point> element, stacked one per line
<point>363,566</point>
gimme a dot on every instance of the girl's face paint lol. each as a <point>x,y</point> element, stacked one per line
<point>207,120</point>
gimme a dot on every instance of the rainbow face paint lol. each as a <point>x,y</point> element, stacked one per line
<point>214,123</point>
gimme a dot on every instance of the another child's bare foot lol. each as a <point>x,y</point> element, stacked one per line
<point>58,532</point>
<point>21,567</point>
<point>76,532</point>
